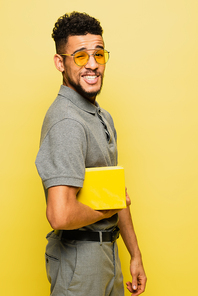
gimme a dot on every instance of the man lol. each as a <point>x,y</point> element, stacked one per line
<point>81,255</point>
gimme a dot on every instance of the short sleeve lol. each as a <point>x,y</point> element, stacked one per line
<point>61,157</point>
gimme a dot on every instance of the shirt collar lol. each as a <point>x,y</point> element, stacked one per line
<point>78,100</point>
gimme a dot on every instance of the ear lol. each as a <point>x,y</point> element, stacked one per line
<point>58,61</point>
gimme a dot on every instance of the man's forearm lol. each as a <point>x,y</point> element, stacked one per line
<point>138,283</point>
<point>127,232</point>
<point>65,212</point>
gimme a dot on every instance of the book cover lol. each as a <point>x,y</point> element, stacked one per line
<point>103,188</point>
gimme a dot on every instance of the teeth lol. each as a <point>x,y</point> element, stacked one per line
<point>90,77</point>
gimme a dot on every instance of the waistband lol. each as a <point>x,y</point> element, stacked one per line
<point>96,236</point>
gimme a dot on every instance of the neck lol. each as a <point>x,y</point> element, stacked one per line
<point>83,94</point>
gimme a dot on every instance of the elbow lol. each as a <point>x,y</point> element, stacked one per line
<point>57,221</point>
<point>56,225</point>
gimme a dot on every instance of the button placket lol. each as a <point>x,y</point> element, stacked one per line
<point>104,125</point>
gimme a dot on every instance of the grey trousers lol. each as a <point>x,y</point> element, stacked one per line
<point>78,268</point>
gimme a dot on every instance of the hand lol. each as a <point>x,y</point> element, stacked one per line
<point>138,277</point>
<point>108,213</point>
<point>128,200</point>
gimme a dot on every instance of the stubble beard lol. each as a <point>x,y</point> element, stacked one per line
<point>82,91</point>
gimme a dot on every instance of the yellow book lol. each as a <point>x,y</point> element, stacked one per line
<point>103,188</point>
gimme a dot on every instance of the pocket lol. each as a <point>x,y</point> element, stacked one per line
<point>52,267</point>
<point>89,271</point>
<point>88,258</point>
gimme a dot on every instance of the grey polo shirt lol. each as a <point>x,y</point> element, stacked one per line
<point>72,139</point>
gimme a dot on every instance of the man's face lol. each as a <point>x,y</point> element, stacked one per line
<point>86,80</point>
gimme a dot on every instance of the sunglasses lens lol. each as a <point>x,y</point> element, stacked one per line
<point>101,56</point>
<point>81,58</point>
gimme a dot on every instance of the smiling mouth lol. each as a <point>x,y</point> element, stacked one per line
<point>90,77</point>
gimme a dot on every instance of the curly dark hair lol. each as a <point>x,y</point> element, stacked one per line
<point>75,23</point>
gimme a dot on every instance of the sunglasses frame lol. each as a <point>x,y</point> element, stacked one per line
<point>92,54</point>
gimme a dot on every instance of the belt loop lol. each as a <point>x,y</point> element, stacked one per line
<point>100,236</point>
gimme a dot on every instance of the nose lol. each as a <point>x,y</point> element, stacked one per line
<point>91,64</point>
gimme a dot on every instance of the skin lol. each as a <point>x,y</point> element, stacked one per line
<point>138,284</point>
<point>74,75</point>
<point>62,204</point>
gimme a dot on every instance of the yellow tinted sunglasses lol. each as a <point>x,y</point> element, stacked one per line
<point>81,58</point>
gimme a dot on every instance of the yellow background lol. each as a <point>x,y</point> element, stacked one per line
<point>151,90</point>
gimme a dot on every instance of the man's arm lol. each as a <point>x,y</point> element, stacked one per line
<point>65,212</point>
<point>136,266</point>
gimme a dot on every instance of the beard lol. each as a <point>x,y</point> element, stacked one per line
<point>82,91</point>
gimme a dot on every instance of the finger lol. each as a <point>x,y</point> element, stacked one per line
<point>137,292</point>
<point>140,289</point>
<point>143,285</point>
<point>128,200</point>
<point>134,283</point>
<point>129,286</point>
